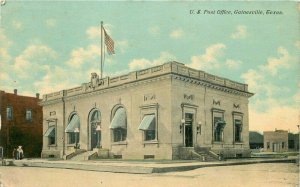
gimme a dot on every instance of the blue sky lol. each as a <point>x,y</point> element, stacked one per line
<point>49,46</point>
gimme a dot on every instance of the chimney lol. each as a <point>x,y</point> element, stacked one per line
<point>15,91</point>
<point>37,95</point>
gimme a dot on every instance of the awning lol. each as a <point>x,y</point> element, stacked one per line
<point>74,123</point>
<point>238,122</point>
<point>50,132</point>
<point>148,123</point>
<point>95,117</point>
<point>119,120</point>
<point>221,122</point>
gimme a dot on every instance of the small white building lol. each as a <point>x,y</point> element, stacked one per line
<point>159,113</point>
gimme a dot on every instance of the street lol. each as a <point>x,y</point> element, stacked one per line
<point>273,175</point>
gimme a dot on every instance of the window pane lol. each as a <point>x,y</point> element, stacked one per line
<point>52,138</point>
<point>218,129</point>
<point>72,137</point>
<point>119,134</point>
<point>150,135</point>
<point>28,115</point>
<point>9,113</point>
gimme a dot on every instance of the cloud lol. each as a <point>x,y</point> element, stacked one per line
<point>80,56</point>
<point>209,60</point>
<point>4,56</point>
<point>50,23</point>
<point>142,63</point>
<point>297,44</point>
<point>278,117</point>
<point>17,25</point>
<point>52,80</point>
<point>274,64</point>
<point>5,59</point>
<point>155,30</point>
<point>176,34</point>
<point>121,46</point>
<point>94,32</point>
<point>34,59</point>
<point>253,78</point>
<point>4,76</point>
<point>4,41</point>
<point>233,64</point>
<point>240,33</point>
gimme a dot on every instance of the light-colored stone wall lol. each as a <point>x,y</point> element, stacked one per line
<point>167,90</point>
<point>200,100</point>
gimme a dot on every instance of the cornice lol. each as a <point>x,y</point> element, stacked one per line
<point>119,87</point>
<point>210,85</point>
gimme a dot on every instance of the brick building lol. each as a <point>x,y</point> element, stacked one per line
<point>165,112</point>
<point>276,141</point>
<point>21,124</point>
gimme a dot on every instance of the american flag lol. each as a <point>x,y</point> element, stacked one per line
<point>109,43</point>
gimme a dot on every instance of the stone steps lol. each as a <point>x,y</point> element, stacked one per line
<point>83,156</point>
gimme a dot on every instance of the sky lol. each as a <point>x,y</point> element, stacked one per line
<point>48,46</point>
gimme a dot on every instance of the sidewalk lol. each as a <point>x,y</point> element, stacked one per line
<point>127,166</point>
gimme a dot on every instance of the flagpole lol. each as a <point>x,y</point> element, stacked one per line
<point>101,66</point>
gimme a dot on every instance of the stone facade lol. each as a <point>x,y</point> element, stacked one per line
<point>162,109</point>
<point>276,141</point>
<point>21,124</point>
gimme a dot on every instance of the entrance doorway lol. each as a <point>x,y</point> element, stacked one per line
<point>95,129</point>
<point>188,130</point>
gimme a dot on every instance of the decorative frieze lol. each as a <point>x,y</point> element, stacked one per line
<point>52,113</point>
<point>149,97</point>
<point>216,102</point>
<point>236,106</point>
<point>188,97</point>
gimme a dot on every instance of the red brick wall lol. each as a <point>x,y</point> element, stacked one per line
<point>19,131</point>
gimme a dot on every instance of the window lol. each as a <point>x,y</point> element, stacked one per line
<point>29,115</point>
<point>119,125</point>
<point>282,145</point>
<point>9,113</point>
<point>219,125</point>
<point>148,125</point>
<point>73,129</point>
<point>238,130</point>
<point>268,145</point>
<point>50,133</point>
<point>119,134</point>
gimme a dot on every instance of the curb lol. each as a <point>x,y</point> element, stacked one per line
<point>137,169</point>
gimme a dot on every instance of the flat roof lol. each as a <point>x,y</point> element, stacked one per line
<point>172,67</point>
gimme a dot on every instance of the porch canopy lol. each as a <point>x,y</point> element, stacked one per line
<point>50,132</point>
<point>220,123</point>
<point>73,124</point>
<point>238,122</point>
<point>148,122</point>
<point>119,120</point>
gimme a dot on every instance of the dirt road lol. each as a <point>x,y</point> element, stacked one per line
<point>273,175</point>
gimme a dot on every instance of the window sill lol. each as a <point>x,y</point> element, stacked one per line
<point>239,143</point>
<point>52,145</point>
<point>119,143</point>
<point>150,142</point>
<point>221,142</point>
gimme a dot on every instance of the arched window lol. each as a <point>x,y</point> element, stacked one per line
<point>118,125</point>
<point>73,129</point>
